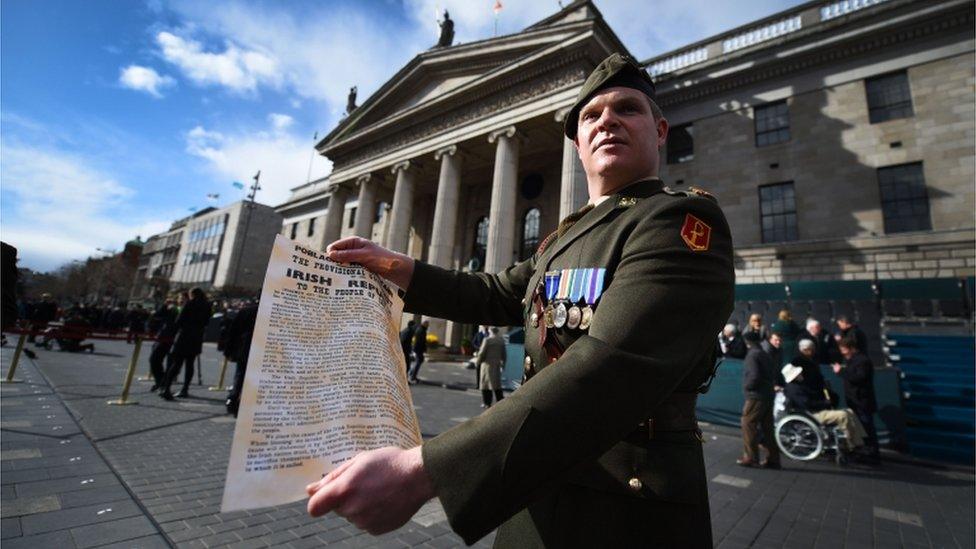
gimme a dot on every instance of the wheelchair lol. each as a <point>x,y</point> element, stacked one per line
<point>802,438</point>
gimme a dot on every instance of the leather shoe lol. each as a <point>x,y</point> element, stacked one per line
<point>166,395</point>
<point>745,462</point>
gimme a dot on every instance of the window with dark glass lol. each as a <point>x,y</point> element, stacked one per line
<point>772,124</point>
<point>681,145</point>
<point>480,248</point>
<point>294,230</point>
<point>889,97</point>
<point>904,198</point>
<point>530,233</point>
<point>777,212</point>
<point>311,227</point>
<point>352,218</point>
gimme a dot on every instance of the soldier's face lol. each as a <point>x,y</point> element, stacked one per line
<point>617,137</point>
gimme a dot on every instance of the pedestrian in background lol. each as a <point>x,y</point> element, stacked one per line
<point>164,322</point>
<point>490,361</point>
<point>419,349</point>
<point>756,325</point>
<point>825,348</point>
<point>406,338</point>
<point>188,344</point>
<point>789,332</point>
<point>758,381</point>
<point>730,343</point>
<point>849,330</point>
<point>858,375</point>
<point>237,348</point>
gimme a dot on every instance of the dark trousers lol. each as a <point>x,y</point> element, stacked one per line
<point>867,420</point>
<point>176,361</point>
<point>156,359</point>
<point>757,416</point>
<point>406,357</point>
<point>486,396</point>
<point>416,365</point>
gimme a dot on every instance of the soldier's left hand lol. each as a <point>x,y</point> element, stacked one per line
<point>378,491</point>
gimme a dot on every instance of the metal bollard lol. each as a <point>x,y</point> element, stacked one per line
<point>129,374</point>
<point>13,363</point>
<point>220,383</point>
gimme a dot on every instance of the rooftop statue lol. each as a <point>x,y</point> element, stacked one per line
<point>447,32</point>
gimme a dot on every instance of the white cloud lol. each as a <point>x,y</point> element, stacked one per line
<point>280,122</point>
<point>282,157</point>
<point>144,79</point>
<point>239,69</point>
<point>61,208</point>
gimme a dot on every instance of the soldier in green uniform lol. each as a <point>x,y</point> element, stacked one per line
<point>599,447</point>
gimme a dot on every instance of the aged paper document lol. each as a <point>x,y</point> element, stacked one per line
<point>326,378</point>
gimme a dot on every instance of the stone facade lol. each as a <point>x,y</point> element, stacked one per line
<point>472,134</point>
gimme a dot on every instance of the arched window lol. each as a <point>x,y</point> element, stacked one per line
<point>480,248</point>
<point>530,233</point>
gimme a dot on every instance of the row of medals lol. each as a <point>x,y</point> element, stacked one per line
<point>565,313</point>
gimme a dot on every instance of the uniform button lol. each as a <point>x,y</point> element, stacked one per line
<point>528,364</point>
<point>635,484</point>
<point>535,320</point>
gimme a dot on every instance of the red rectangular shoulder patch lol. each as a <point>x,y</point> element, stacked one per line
<point>696,233</point>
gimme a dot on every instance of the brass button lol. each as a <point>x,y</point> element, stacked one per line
<point>528,364</point>
<point>635,484</point>
<point>535,320</point>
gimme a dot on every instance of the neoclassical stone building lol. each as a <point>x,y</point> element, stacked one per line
<point>838,137</point>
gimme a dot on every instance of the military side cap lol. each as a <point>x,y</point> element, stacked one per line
<point>616,70</point>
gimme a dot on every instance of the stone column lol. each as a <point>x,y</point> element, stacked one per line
<point>338,194</point>
<point>366,209</point>
<point>445,208</point>
<point>573,193</point>
<point>402,211</point>
<point>501,221</point>
<point>442,235</point>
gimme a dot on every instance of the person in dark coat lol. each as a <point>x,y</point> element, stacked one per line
<point>8,285</point>
<point>419,348</point>
<point>190,326</point>
<point>237,348</point>
<point>163,325</point>
<point>44,312</point>
<point>825,348</point>
<point>406,337</point>
<point>849,330</point>
<point>136,320</point>
<point>730,343</point>
<point>773,347</point>
<point>789,333</point>
<point>858,375</point>
<point>758,386</point>
<point>806,390</point>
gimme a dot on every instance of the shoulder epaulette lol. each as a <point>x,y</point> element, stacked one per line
<point>690,191</point>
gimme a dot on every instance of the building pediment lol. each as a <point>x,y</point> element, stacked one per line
<point>443,80</point>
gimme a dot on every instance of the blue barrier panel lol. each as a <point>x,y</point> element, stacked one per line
<point>831,289</point>
<point>922,288</point>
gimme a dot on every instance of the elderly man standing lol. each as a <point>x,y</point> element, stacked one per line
<point>758,382</point>
<point>490,361</point>
<point>599,447</point>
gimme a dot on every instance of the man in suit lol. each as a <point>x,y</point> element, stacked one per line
<point>599,446</point>
<point>858,375</point>
<point>490,361</point>
<point>758,382</point>
<point>190,325</point>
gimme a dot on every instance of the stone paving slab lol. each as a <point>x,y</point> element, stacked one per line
<point>172,457</point>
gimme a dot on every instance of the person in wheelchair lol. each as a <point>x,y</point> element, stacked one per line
<point>807,391</point>
<point>72,335</point>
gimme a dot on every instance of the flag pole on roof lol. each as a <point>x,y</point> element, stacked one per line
<point>497,8</point>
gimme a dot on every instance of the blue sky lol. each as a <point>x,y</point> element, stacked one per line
<point>118,117</point>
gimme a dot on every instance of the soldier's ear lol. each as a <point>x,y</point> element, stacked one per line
<point>662,131</point>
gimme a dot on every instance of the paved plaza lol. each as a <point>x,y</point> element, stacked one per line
<point>77,472</point>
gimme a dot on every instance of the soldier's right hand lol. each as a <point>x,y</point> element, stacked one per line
<point>393,266</point>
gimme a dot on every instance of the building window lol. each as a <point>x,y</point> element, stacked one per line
<point>311,227</point>
<point>904,198</point>
<point>777,210</point>
<point>889,97</point>
<point>352,218</point>
<point>294,230</point>
<point>772,124</point>
<point>681,145</point>
<point>530,233</point>
<point>480,249</point>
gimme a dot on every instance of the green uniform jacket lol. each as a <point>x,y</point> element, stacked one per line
<point>555,464</point>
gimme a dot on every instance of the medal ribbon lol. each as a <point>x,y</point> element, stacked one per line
<point>594,289</point>
<point>564,277</point>
<point>578,285</point>
<point>552,285</point>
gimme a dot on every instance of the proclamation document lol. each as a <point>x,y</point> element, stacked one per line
<point>326,378</point>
